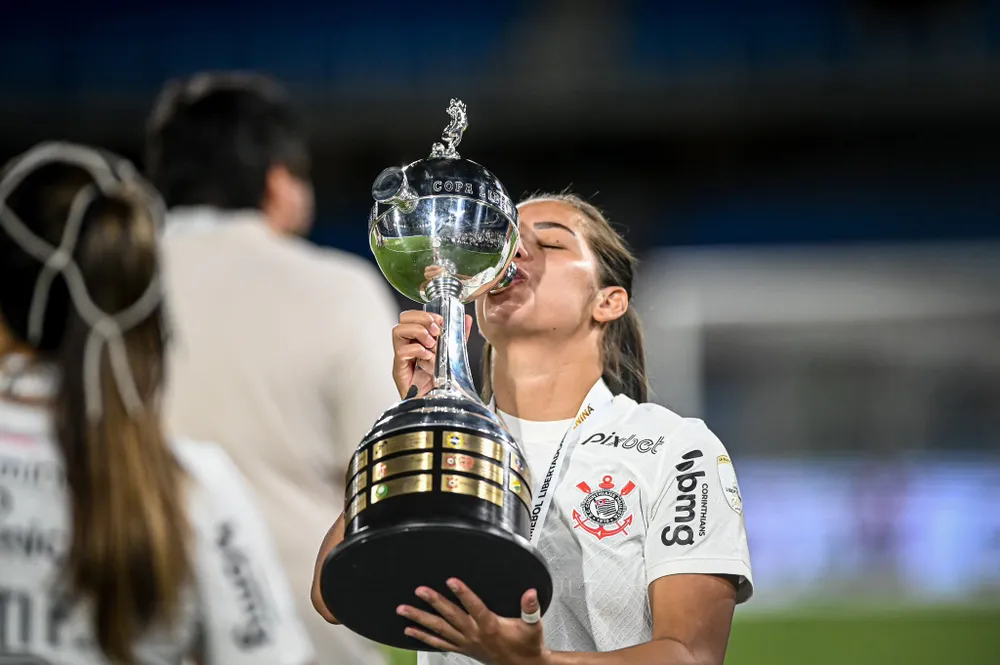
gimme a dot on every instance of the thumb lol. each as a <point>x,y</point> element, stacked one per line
<point>468,326</point>
<point>529,603</point>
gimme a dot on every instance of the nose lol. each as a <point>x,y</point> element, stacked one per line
<point>521,252</point>
<point>508,277</point>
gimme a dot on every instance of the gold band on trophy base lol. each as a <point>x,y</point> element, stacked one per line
<point>472,465</point>
<point>359,483</point>
<point>403,464</point>
<point>358,462</point>
<point>359,503</point>
<point>471,487</point>
<point>473,444</point>
<point>403,442</point>
<point>408,485</point>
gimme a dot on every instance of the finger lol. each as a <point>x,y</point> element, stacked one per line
<point>425,319</point>
<point>420,385</point>
<point>426,365</point>
<point>530,608</point>
<point>470,601</point>
<point>468,326</point>
<point>410,352</point>
<point>429,322</point>
<point>423,381</point>
<point>447,609</point>
<point>433,622</point>
<point>430,640</point>
<point>404,333</point>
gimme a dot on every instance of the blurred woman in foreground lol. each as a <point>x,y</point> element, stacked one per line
<point>644,533</point>
<point>118,545</point>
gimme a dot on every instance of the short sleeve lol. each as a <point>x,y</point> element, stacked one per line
<point>247,611</point>
<point>696,524</point>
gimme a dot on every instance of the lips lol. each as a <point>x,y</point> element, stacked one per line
<point>519,277</point>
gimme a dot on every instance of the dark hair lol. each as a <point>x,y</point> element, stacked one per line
<point>128,553</point>
<point>212,138</point>
<point>622,351</point>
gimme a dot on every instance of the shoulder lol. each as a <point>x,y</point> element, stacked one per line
<point>219,497</point>
<point>645,436</point>
<point>354,274</point>
<point>335,272</point>
<point>216,477</point>
<point>654,416</point>
<point>679,432</point>
<point>675,443</point>
<point>206,462</point>
<point>327,260</point>
<point>647,421</point>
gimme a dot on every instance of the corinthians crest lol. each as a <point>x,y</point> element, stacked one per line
<point>605,512</point>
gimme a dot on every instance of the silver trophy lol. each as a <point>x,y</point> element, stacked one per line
<point>438,488</point>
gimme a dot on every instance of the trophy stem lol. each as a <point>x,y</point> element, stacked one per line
<point>451,368</point>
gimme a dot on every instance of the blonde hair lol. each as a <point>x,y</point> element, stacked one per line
<point>622,350</point>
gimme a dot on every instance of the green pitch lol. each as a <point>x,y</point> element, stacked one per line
<point>903,637</point>
<point>844,637</point>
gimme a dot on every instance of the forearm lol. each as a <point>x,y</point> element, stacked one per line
<point>333,538</point>
<point>664,651</point>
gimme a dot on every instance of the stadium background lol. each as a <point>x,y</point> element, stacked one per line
<point>812,188</point>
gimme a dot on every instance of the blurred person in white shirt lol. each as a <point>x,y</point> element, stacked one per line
<point>279,344</point>
<point>117,543</point>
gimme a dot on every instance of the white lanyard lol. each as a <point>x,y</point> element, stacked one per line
<point>598,397</point>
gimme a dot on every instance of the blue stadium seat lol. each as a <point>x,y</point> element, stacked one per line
<point>131,52</point>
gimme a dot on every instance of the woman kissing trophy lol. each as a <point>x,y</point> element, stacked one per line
<point>437,488</point>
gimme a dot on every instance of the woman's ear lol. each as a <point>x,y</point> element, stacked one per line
<point>612,303</point>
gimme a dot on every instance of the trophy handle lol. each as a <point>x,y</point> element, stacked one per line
<point>451,365</point>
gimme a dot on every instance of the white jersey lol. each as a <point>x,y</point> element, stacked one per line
<point>643,493</point>
<point>239,611</point>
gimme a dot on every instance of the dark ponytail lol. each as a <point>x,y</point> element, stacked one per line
<point>622,349</point>
<point>129,550</point>
<point>487,392</point>
<point>624,357</point>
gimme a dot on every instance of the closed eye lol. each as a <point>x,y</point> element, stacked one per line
<point>552,246</point>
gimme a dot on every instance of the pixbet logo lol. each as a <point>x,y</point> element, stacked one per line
<point>681,533</point>
<point>622,441</point>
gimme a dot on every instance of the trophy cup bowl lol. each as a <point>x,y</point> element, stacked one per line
<point>438,488</point>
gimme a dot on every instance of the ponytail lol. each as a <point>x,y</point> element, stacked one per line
<point>624,358</point>
<point>78,260</point>
<point>128,551</point>
<point>487,392</point>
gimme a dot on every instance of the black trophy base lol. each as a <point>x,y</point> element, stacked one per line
<point>369,575</point>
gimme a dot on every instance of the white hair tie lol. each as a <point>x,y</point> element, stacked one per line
<point>105,329</point>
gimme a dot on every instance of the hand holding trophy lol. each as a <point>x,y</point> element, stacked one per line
<point>438,488</point>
